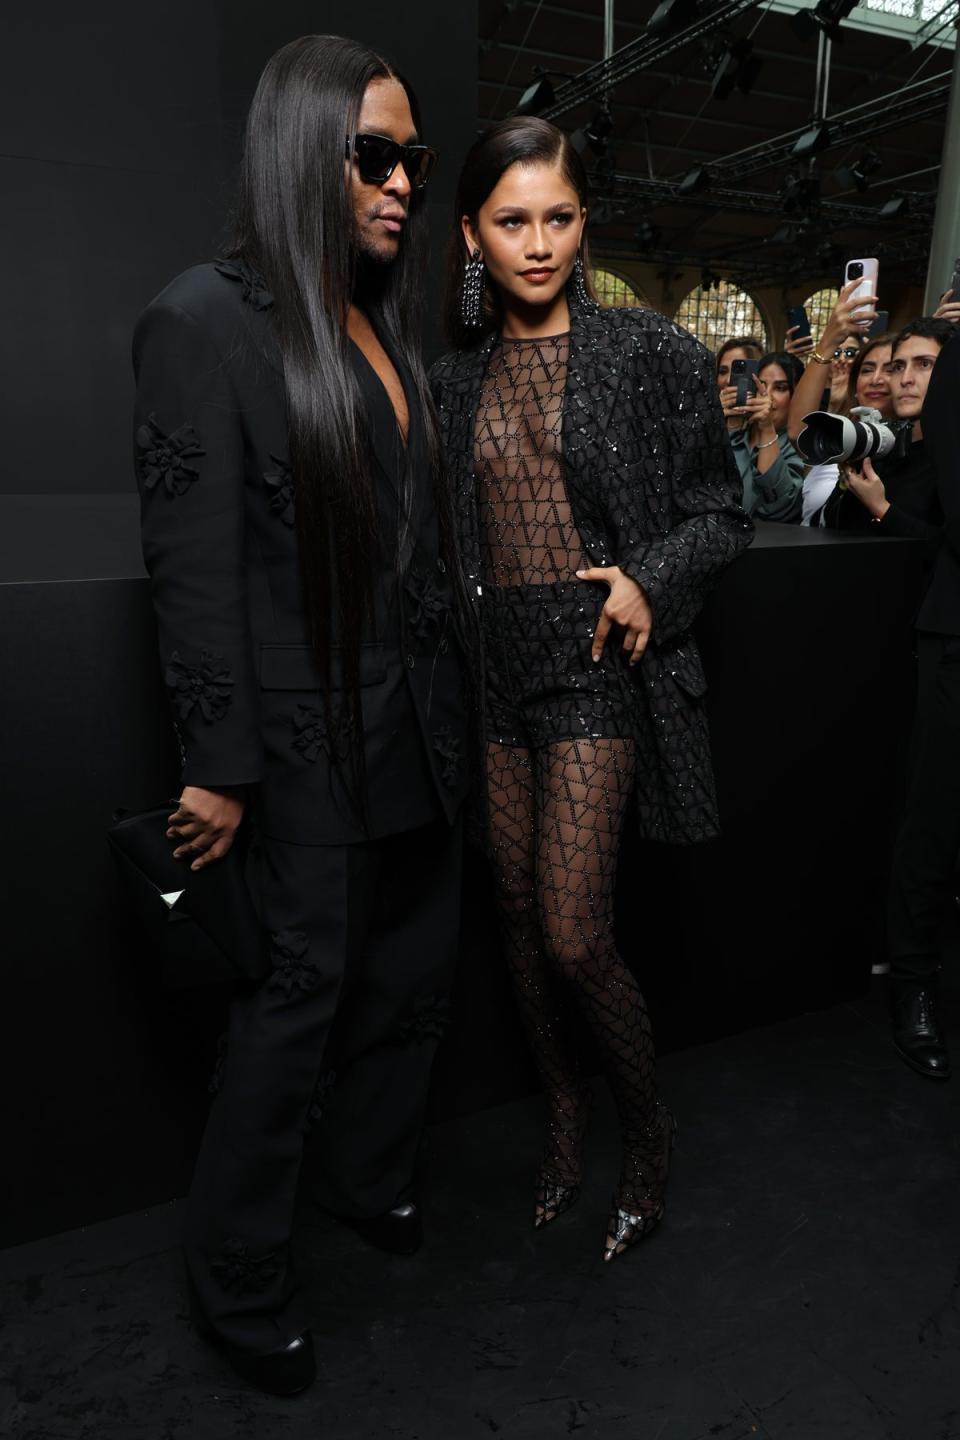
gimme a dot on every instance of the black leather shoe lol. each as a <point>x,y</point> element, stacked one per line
<point>399,1231</point>
<point>916,1034</point>
<point>284,1371</point>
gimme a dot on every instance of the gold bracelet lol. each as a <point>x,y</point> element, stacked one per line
<point>820,359</point>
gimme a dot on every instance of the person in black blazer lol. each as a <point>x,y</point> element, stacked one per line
<point>923,877</point>
<point>597,500</point>
<point>296,533</point>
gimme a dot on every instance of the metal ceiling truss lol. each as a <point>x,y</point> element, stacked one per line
<point>907,249</point>
<point>749,202</point>
<point>640,54</point>
<point>654,193</point>
<point>908,105</point>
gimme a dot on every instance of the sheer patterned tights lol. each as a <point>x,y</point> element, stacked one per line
<point>556,816</point>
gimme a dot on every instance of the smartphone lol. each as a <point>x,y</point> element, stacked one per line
<point>955,282</point>
<point>880,326</point>
<point>743,374</point>
<point>867,272</point>
<point>797,316</point>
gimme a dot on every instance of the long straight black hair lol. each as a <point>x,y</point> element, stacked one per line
<point>294,222</point>
<point>521,140</point>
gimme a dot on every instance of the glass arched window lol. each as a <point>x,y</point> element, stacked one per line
<point>718,313</point>
<point>818,307</point>
<point>614,290</point>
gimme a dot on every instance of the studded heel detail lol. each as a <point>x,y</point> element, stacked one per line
<point>646,1162</point>
<point>558,1182</point>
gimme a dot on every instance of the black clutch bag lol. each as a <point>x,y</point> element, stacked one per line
<point>202,923</point>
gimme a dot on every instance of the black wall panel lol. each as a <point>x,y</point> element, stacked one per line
<point>119,135</point>
<point>104,1075</point>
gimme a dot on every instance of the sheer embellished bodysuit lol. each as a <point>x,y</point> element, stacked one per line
<point>560,764</point>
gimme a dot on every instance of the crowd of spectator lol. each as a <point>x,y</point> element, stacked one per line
<point>845,368</point>
<point>905,488</point>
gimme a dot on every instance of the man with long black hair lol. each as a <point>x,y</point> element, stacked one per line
<point>298,543</point>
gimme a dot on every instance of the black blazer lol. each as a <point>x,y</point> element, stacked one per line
<point>654,488</point>
<point>219,541</point>
<point>940,611</point>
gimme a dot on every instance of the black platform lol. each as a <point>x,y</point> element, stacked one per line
<point>802,1287</point>
<point>807,647</point>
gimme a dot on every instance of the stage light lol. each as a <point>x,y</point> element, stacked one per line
<point>784,234</point>
<point>694,181</point>
<point>750,68</point>
<point>826,16</point>
<point>819,137</point>
<point>856,175</point>
<point>800,194</point>
<point>539,96</point>
<point>672,15</point>
<point>736,67</point>
<point>647,235</point>
<point>598,132</point>
<point>895,208</point>
<point>594,137</point>
<point>605,169</point>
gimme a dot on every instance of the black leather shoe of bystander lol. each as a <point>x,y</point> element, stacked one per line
<point>287,1370</point>
<point>917,1036</point>
<point>399,1231</point>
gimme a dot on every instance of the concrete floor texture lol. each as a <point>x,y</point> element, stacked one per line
<point>804,1284</point>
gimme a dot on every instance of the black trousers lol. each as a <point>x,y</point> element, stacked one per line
<point>331,1054</point>
<point>925,855</point>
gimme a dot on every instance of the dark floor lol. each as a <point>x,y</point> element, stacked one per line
<point>805,1283</point>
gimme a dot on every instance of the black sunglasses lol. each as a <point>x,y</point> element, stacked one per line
<point>377,157</point>
<point>850,351</point>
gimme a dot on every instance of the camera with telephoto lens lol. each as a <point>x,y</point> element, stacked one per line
<point>861,435</point>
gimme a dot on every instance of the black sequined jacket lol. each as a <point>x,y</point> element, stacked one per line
<point>654,489</point>
<point>220,543</point>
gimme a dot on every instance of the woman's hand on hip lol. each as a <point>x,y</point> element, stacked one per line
<point>627,606</point>
<point>204,824</point>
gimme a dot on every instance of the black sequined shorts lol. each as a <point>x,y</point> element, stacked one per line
<point>541,683</point>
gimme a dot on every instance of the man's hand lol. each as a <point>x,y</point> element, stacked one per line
<point>868,488</point>
<point>627,606</point>
<point>205,823</point>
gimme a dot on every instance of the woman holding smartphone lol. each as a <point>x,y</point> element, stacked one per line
<point>597,501</point>
<point>770,468</point>
<point>853,377</point>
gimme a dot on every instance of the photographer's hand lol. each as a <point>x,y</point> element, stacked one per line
<point>627,606</point>
<point>948,309</point>
<point>868,488</point>
<point>205,823</point>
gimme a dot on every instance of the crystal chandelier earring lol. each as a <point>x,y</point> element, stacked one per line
<point>471,304</point>
<point>580,283</point>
